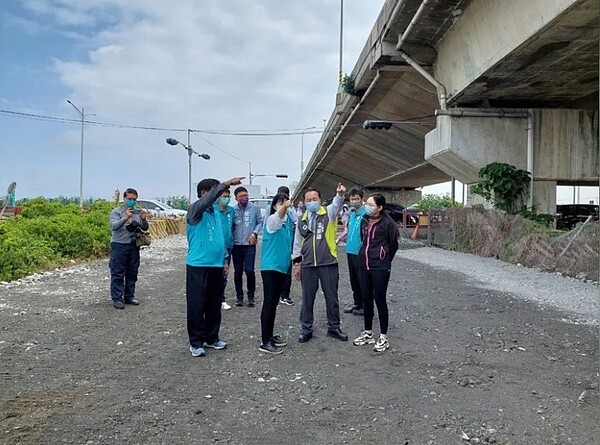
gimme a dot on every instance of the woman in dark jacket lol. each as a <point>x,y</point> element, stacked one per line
<point>379,237</point>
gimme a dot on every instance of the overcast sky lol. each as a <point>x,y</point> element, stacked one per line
<point>231,66</point>
<point>209,65</point>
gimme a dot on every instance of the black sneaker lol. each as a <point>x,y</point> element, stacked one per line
<point>286,301</point>
<point>278,341</point>
<point>251,302</point>
<point>239,301</point>
<point>359,311</point>
<point>133,301</point>
<point>118,304</point>
<point>270,348</point>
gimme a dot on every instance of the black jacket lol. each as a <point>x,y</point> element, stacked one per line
<point>379,243</point>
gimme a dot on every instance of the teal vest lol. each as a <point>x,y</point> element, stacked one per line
<point>227,218</point>
<point>353,240</point>
<point>277,249</point>
<point>206,244</point>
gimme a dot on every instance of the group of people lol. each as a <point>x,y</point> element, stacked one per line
<point>302,244</point>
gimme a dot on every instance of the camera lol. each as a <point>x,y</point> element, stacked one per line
<point>133,226</point>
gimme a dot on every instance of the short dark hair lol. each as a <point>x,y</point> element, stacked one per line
<point>356,190</point>
<point>279,197</point>
<point>205,185</point>
<point>239,190</point>
<point>284,189</point>
<point>311,189</point>
<point>379,199</point>
<point>130,191</point>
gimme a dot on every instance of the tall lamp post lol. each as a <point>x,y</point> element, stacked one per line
<point>302,149</point>
<point>82,116</point>
<point>252,175</point>
<point>191,151</point>
<point>341,70</point>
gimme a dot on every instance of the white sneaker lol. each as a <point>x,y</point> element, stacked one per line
<point>382,344</point>
<point>365,338</point>
<point>225,306</point>
<point>198,351</point>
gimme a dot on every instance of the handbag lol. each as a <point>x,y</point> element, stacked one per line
<point>143,238</point>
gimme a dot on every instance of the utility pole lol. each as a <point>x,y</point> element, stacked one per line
<point>302,150</point>
<point>190,151</point>
<point>82,115</point>
<point>341,72</point>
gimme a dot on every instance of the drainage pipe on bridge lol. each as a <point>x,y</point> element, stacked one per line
<point>514,114</point>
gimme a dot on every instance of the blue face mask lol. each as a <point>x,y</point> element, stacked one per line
<point>369,210</point>
<point>313,206</point>
<point>225,201</point>
<point>130,203</point>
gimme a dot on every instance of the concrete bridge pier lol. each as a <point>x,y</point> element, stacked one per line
<point>562,149</point>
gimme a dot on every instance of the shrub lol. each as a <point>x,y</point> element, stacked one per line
<point>437,202</point>
<point>50,233</point>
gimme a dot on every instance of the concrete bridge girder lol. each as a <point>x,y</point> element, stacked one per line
<point>509,53</point>
<point>544,55</point>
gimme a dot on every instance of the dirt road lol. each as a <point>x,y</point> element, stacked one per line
<point>467,364</point>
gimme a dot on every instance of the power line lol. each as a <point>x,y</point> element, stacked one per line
<point>260,133</point>
<point>218,148</point>
<point>284,132</point>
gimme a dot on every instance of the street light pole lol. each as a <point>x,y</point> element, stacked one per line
<point>82,115</point>
<point>251,175</point>
<point>191,151</point>
<point>340,72</point>
<point>302,149</point>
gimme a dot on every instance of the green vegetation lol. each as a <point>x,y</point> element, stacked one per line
<point>437,202</point>
<point>349,85</point>
<point>504,185</point>
<point>50,233</point>
<point>177,202</point>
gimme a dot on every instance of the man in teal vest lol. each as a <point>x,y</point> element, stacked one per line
<point>227,215</point>
<point>206,263</point>
<point>352,238</point>
<point>315,261</point>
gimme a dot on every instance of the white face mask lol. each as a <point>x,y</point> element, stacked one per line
<point>313,206</point>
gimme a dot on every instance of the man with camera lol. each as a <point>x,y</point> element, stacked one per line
<point>125,222</point>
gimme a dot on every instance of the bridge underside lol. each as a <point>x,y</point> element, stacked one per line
<point>467,46</point>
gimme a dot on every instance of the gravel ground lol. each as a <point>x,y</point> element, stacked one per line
<point>574,296</point>
<point>482,352</point>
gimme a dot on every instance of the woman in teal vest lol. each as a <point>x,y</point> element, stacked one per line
<point>275,262</point>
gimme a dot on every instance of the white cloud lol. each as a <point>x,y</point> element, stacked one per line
<point>263,64</point>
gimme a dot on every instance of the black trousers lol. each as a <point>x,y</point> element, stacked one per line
<point>243,261</point>
<point>374,284</point>
<point>273,282</point>
<point>124,265</point>
<point>354,280</point>
<point>203,286</point>
<point>287,285</point>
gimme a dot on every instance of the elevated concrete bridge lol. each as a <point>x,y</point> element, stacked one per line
<point>468,82</point>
